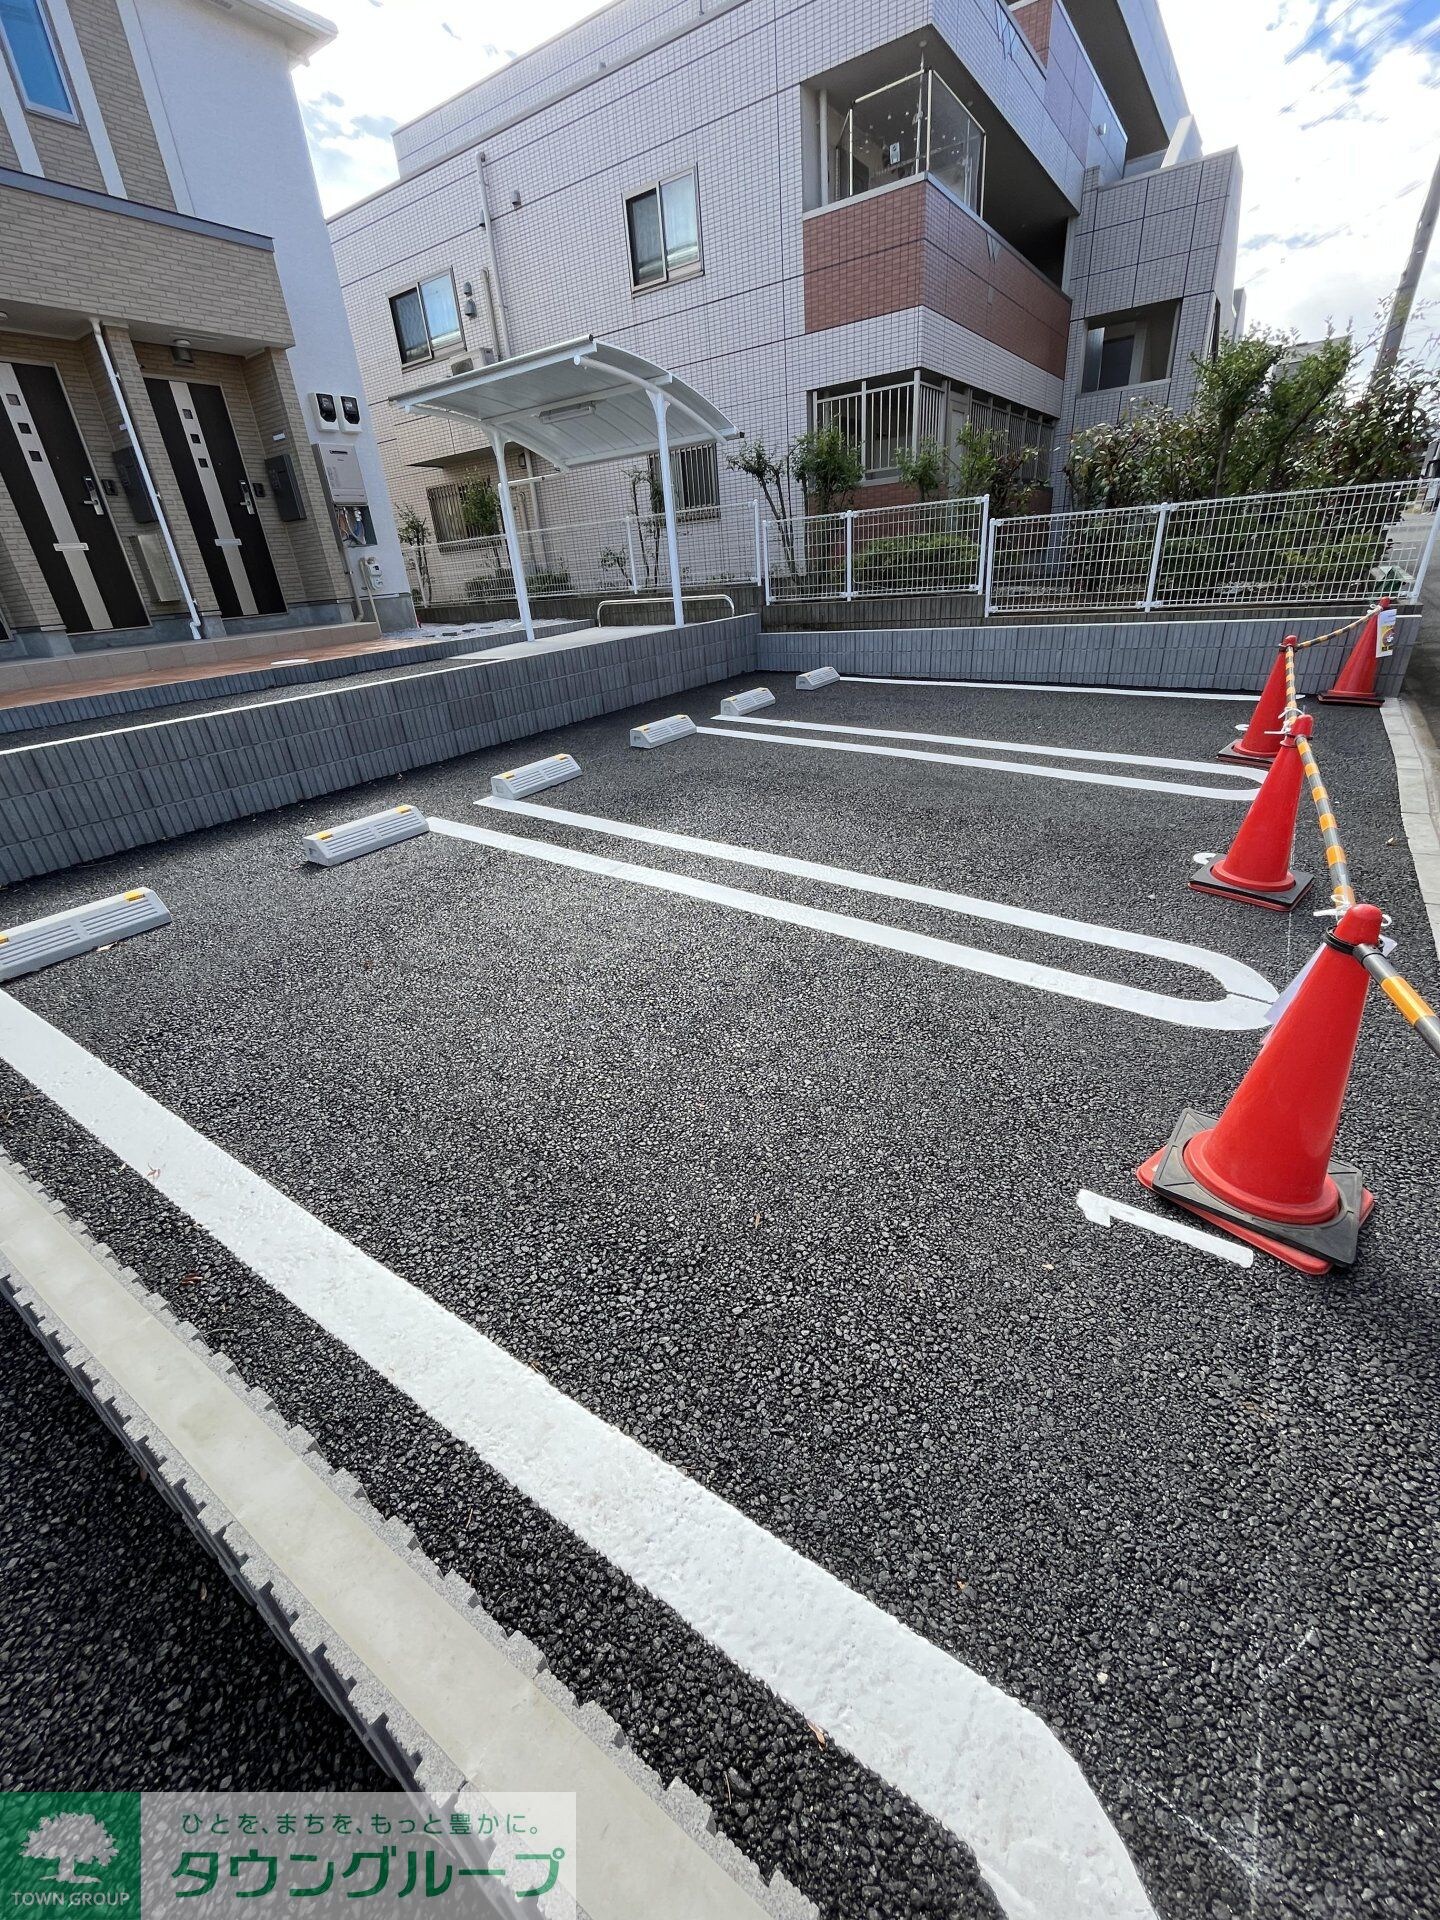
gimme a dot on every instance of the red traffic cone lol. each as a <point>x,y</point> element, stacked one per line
<point>1355,683</point>
<point>1257,867</point>
<point>1262,736</point>
<point>1263,1171</point>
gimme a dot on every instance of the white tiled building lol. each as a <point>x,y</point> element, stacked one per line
<point>902,216</point>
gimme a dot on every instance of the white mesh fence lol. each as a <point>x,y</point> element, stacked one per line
<point>1332,545</point>
<point>626,555</point>
<point>878,552</point>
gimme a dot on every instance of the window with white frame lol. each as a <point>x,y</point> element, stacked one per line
<point>30,49</point>
<point>426,317</point>
<point>694,477</point>
<point>662,225</point>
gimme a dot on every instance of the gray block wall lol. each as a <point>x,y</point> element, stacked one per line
<point>69,801</point>
<point>70,709</point>
<point>1222,656</point>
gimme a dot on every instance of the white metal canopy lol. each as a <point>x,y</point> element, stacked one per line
<point>578,404</point>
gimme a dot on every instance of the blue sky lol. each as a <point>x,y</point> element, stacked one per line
<point>1331,102</point>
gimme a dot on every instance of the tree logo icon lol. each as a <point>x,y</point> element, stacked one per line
<point>72,1841</point>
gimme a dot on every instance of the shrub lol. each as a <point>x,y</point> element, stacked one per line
<point>921,563</point>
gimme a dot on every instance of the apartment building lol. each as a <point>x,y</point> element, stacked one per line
<point>184,451</point>
<point>905,217</point>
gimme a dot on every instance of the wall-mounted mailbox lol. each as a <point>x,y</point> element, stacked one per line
<point>132,483</point>
<point>285,487</point>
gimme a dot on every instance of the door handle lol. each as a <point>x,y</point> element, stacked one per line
<point>247,498</point>
<point>93,497</point>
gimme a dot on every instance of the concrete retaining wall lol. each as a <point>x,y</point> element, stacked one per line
<point>99,794</point>
<point>1231,656</point>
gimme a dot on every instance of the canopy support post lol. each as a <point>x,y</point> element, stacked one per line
<point>660,403</point>
<point>512,538</point>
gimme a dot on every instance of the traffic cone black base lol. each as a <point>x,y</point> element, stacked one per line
<point>1333,1243</point>
<point>1203,881</point>
<point>1238,753</point>
<point>1352,699</point>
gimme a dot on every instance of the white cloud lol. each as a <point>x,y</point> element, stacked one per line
<point>1332,186</point>
<point>393,60</point>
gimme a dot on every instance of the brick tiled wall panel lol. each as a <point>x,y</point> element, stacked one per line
<point>8,156</point>
<point>1034,21</point>
<point>916,247</point>
<point>117,87</point>
<point>58,254</point>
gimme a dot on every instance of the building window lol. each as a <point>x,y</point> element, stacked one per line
<point>694,477</point>
<point>33,59</point>
<point>426,318</point>
<point>663,225</point>
<point>1129,349</point>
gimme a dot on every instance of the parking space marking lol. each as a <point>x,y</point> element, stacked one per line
<point>1217,769</point>
<point>1248,994</point>
<point>1101,1211</point>
<point>982,1764</point>
<point>1041,686</point>
<point>727,732</point>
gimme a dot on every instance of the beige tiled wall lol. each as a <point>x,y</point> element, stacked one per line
<point>122,103</point>
<point>58,254</point>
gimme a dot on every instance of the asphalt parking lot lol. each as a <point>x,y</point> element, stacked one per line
<point>794,1206</point>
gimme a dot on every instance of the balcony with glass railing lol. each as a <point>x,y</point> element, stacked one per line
<point>912,126</point>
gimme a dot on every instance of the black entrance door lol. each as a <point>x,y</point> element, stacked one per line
<point>61,505</point>
<point>200,439</point>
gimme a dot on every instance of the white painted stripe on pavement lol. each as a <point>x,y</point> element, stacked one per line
<point>1102,1211</point>
<point>977,1760</point>
<point>1245,1007</point>
<point>1244,795</point>
<point>1231,974</point>
<point>1043,686</point>
<point>1218,769</point>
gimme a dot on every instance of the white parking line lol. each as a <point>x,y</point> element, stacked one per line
<point>1102,1211</point>
<point>977,1760</point>
<point>727,732</point>
<point>1248,994</point>
<point>1042,686</point>
<point>1216,769</point>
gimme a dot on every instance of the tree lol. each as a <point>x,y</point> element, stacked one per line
<point>827,466</point>
<point>414,531</point>
<point>480,509</point>
<point>70,1839</point>
<point>645,484</point>
<point>926,469</point>
<point>771,473</point>
<point>985,462</point>
<point>1264,419</point>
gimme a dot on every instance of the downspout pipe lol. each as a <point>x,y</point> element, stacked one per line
<point>196,628</point>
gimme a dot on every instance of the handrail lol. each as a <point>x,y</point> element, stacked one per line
<point>659,600</point>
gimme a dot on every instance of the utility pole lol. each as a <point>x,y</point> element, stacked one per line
<point>1409,282</point>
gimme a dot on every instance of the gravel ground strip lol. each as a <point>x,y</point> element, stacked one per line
<point>802,1220</point>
